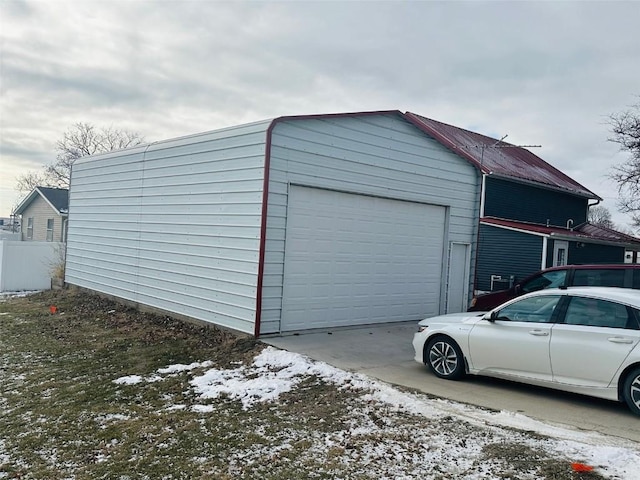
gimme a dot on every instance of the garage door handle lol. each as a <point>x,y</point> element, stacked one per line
<point>539,333</point>
<point>619,340</point>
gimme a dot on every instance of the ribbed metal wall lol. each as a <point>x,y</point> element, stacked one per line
<point>174,225</point>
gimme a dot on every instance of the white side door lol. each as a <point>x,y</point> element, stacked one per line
<point>516,343</point>
<point>560,253</point>
<point>595,338</point>
<point>458,277</point>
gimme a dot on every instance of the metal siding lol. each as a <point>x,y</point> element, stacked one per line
<point>380,155</point>
<point>525,203</point>
<point>505,252</point>
<point>594,253</point>
<point>174,225</point>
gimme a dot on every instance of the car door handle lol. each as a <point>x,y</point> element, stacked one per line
<point>619,340</point>
<point>539,333</point>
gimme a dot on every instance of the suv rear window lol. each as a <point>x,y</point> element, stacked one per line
<point>599,278</point>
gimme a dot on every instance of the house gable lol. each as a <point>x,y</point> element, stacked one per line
<point>41,213</point>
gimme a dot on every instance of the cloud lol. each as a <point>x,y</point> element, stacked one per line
<point>542,72</point>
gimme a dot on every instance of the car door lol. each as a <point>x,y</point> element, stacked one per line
<point>516,342</point>
<point>594,339</point>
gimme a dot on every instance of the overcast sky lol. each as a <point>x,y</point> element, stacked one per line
<point>546,73</point>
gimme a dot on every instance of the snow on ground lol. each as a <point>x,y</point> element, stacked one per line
<point>5,295</point>
<point>275,372</point>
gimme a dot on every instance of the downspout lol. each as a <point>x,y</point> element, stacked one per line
<point>589,205</point>
<point>545,244</point>
<point>263,227</point>
<point>483,190</point>
<point>477,252</point>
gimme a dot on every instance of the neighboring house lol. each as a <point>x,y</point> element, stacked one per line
<point>532,216</point>
<point>44,214</point>
<point>281,226</point>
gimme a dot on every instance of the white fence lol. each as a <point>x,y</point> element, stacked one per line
<point>28,265</point>
<point>7,235</point>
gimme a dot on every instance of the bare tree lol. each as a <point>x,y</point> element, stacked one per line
<point>601,216</point>
<point>28,181</point>
<point>625,127</point>
<point>78,141</point>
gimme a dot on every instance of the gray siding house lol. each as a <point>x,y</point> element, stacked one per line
<point>281,226</point>
<point>44,214</point>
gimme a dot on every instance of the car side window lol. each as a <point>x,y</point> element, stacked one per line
<point>593,312</point>
<point>534,309</point>
<point>599,278</point>
<point>551,279</point>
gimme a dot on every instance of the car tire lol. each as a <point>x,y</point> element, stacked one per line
<point>444,358</point>
<point>631,391</point>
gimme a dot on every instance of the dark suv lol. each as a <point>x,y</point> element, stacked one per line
<point>619,275</point>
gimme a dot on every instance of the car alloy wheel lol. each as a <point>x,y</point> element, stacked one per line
<point>444,358</point>
<point>632,391</point>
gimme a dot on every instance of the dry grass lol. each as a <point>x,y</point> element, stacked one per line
<point>64,417</point>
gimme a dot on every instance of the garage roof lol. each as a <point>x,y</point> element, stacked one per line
<point>495,157</point>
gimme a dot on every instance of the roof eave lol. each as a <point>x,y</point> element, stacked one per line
<point>29,198</point>
<point>25,202</point>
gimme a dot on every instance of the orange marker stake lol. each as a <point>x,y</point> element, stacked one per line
<point>581,467</point>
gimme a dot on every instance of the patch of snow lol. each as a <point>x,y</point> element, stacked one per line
<point>129,380</point>
<point>203,408</point>
<point>274,372</point>
<point>18,294</point>
<point>178,368</point>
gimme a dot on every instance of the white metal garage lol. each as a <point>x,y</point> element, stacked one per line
<point>356,259</point>
<point>281,226</point>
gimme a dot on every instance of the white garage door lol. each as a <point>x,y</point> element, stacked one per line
<point>353,259</point>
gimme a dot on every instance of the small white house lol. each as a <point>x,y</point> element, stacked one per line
<point>281,226</point>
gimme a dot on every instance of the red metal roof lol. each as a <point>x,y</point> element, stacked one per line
<point>586,232</point>
<point>499,158</point>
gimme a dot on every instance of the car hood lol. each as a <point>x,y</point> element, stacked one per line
<point>451,318</point>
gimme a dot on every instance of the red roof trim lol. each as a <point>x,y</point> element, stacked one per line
<point>585,231</point>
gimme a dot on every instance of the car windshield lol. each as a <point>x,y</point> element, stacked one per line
<point>551,279</point>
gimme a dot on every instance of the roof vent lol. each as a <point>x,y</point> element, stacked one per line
<point>570,224</point>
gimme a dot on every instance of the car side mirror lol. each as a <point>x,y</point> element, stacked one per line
<point>490,317</point>
<point>517,289</point>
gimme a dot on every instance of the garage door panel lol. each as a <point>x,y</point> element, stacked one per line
<point>352,259</point>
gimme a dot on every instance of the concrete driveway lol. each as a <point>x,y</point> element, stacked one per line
<point>385,352</point>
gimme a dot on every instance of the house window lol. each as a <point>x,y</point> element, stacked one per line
<point>30,228</point>
<point>50,230</point>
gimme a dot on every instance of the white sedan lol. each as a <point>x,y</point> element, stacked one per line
<point>582,340</point>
